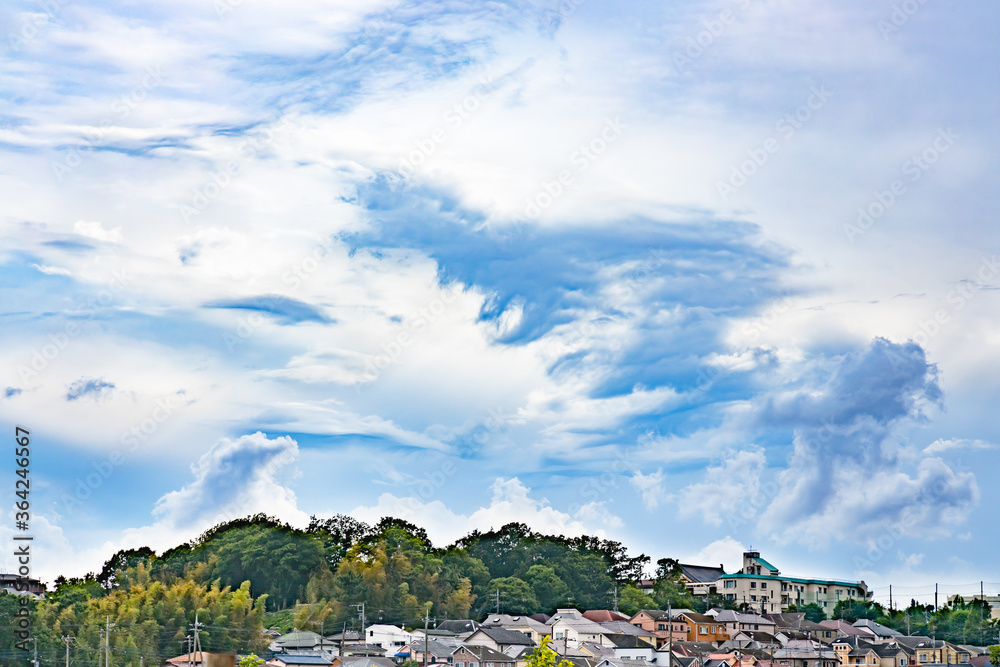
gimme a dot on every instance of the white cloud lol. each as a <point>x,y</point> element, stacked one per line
<point>734,483</point>
<point>650,487</point>
<point>727,552</point>
<point>511,502</point>
<point>96,230</point>
<point>52,270</point>
<point>943,445</point>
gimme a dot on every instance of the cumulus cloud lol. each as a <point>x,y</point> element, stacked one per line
<point>727,552</point>
<point>650,488</point>
<point>944,445</point>
<point>96,231</point>
<point>511,502</point>
<point>844,479</point>
<point>232,479</point>
<point>734,483</point>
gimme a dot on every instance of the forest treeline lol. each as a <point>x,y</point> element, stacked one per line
<point>244,575</point>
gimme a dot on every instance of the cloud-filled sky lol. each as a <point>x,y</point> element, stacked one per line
<point>693,276</point>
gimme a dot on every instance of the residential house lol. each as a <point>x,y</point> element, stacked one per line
<point>876,629</point>
<point>390,637</point>
<point>480,656</point>
<point>569,628</point>
<point>892,654</point>
<point>673,627</point>
<point>855,650</point>
<point>294,660</point>
<point>18,585</point>
<point>604,616</point>
<point>734,621</point>
<point>801,627</point>
<point>523,624</point>
<point>435,650</point>
<point>632,648</point>
<point>938,651</point>
<point>626,628</point>
<point>361,661</point>
<point>702,628</point>
<point>701,579</point>
<point>499,639</point>
<point>805,653</point>
<point>841,628</point>
<point>762,587</point>
<point>299,640</point>
<point>621,662</point>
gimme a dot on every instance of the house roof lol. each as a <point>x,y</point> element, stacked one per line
<point>842,627</point>
<point>797,580</point>
<point>292,659</point>
<point>698,618</point>
<point>876,628</point>
<point>458,626</point>
<point>183,658</point>
<point>628,641</point>
<point>366,661</point>
<point>603,615</point>
<point>626,628</point>
<point>504,636</point>
<point>299,638</point>
<point>766,564</point>
<point>508,621</point>
<point>485,653</point>
<point>701,574</point>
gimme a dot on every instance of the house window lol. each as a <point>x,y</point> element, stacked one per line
<point>763,584</point>
<point>702,630</point>
<point>730,583</point>
<point>753,598</point>
<point>753,584</point>
<point>730,596</point>
<point>459,664</point>
<point>662,626</point>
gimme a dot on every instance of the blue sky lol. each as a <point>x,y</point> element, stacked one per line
<point>693,276</point>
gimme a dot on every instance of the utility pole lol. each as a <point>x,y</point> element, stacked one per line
<point>197,640</point>
<point>187,641</point>
<point>107,641</point>
<point>100,640</point>
<point>935,597</point>
<point>35,659</point>
<point>67,639</point>
<point>670,635</point>
<point>361,614</point>
<point>498,600</point>
<point>427,623</point>
<point>343,638</point>
<point>616,597</point>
